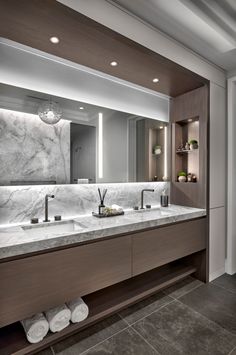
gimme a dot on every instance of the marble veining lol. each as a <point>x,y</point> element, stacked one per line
<point>21,203</point>
<point>15,241</point>
<point>31,150</point>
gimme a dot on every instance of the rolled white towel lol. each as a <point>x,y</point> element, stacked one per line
<point>58,318</point>
<point>117,208</point>
<point>36,328</point>
<point>79,310</point>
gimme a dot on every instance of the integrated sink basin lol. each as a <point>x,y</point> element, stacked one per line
<point>53,228</point>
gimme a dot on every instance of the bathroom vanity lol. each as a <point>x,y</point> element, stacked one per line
<point>112,263</point>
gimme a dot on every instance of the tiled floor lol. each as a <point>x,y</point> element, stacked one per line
<point>189,318</point>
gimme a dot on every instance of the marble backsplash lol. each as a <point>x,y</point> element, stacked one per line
<point>31,150</point>
<point>21,203</point>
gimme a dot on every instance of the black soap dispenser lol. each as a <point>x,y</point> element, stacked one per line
<point>164,199</point>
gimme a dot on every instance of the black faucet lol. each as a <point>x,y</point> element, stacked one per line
<point>150,190</point>
<point>46,207</point>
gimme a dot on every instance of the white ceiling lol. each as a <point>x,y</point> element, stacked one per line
<point>208,27</point>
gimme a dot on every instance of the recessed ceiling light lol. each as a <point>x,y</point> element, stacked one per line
<point>113,64</point>
<point>155,80</point>
<point>190,120</point>
<point>161,127</point>
<point>54,40</point>
<point>81,108</point>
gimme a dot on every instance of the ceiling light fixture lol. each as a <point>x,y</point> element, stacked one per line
<point>54,40</point>
<point>161,127</point>
<point>81,108</point>
<point>114,64</point>
<point>50,112</point>
<point>155,80</point>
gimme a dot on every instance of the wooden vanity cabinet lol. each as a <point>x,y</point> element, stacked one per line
<point>37,283</point>
<point>160,246</point>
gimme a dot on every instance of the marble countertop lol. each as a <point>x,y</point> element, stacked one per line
<point>18,240</point>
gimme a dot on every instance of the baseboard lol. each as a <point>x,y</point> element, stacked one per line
<point>216,274</point>
<point>229,269</point>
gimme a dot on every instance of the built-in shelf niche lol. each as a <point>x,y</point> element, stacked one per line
<point>151,166</point>
<point>189,118</point>
<point>186,160</point>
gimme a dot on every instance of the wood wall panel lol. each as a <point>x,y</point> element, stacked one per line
<point>160,246</point>
<point>84,41</point>
<point>40,282</point>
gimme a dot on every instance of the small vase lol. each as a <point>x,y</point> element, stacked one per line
<point>182,178</point>
<point>193,146</point>
<point>157,151</point>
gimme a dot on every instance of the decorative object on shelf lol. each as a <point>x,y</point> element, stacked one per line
<point>180,147</point>
<point>102,195</point>
<point>189,177</point>
<point>164,199</point>
<point>182,176</point>
<point>165,178</point>
<point>157,150</point>
<point>187,146</point>
<point>155,178</point>
<point>50,112</point>
<point>194,178</point>
<point>193,144</point>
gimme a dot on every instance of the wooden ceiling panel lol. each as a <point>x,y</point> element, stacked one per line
<point>84,41</point>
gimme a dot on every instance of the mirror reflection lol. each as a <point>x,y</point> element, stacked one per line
<point>89,144</point>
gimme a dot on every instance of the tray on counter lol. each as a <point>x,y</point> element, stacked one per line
<point>95,214</point>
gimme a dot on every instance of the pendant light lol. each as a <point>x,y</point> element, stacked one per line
<point>50,112</point>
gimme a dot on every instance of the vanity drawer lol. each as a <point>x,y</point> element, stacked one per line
<point>43,281</point>
<point>160,246</point>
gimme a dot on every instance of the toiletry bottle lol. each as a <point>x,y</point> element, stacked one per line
<point>164,199</point>
<point>101,208</point>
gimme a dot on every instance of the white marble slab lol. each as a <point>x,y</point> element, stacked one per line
<point>21,203</point>
<point>32,150</point>
<point>15,241</point>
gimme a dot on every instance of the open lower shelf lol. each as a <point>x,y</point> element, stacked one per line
<point>101,304</point>
<point>186,151</point>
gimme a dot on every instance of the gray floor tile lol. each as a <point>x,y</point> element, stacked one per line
<point>144,308</point>
<point>233,352</point>
<point>178,330</point>
<point>128,342</point>
<point>182,287</point>
<point>226,281</point>
<point>89,337</point>
<point>47,351</point>
<point>214,303</point>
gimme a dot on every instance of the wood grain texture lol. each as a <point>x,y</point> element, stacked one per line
<point>40,282</point>
<point>189,106</point>
<point>161,246</point>
<point>101,304</point>
<point>84,41</point>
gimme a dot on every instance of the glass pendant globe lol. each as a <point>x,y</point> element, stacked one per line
<point>50,112</point>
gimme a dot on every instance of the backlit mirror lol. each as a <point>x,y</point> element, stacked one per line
<point>90,144</point>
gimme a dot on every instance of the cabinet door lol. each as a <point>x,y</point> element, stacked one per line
<point>40,282</point>
<point>159,246</point>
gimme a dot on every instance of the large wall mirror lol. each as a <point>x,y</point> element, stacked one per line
<point>90,144</point>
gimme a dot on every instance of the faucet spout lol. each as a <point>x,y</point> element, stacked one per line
<point>46,207</point>
<point>142,193</point>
